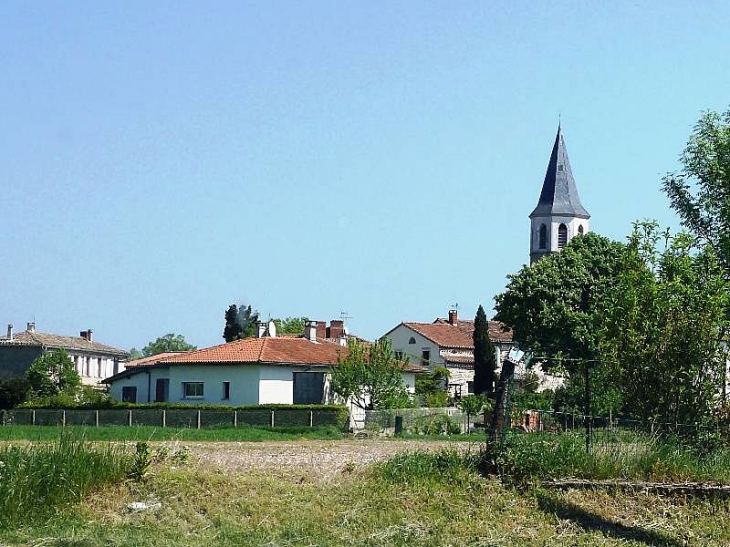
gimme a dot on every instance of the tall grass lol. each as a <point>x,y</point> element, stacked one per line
<point>430,468</point>
<point>544,456</point>
<point>38,480</point>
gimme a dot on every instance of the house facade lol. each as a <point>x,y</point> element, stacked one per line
<point>447,342</point>
<point>93,361</point>
<point>253,371</point>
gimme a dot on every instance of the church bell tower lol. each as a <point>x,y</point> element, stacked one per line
<point>559,215</point>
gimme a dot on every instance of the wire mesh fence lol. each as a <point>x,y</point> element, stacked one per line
<point>424,421</point>
<point>173,417</point>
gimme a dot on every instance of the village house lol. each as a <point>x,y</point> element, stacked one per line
<point>449,343</point>
<point>93,361</point>
<point>266,369</point>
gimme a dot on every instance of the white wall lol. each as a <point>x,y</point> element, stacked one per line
<point>400,336</point>
<point>94,367</point>
<point>276,385</point>
<point>243,379</point>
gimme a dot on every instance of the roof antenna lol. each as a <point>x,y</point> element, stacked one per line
<point>559,122</point>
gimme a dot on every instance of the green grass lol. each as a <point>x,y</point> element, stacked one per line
<point>38,480</point>
<point>149,433</point>
<point>419,500</point>
<point>536,457</point>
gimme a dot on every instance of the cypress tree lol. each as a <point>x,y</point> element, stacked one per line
<point>485,365</point>
<point>233,330</point>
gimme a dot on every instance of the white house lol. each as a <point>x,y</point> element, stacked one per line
<point>449,342</point>
<point>262,370</point>
<point>93,361</point>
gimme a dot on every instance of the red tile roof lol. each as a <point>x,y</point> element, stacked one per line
<point>460,335</point>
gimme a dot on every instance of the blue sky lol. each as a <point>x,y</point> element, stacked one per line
<point>162,160</point>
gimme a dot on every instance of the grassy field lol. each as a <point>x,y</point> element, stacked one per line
<point>385,505</point>
<point>149,433</point>
<point>412,499</point>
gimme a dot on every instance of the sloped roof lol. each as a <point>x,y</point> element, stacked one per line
<point>559,195</point>
<point>460,335</point>
<point>47,340</point>
<point>152,359</point>
<point>265,350</point>
<point>284,350</point>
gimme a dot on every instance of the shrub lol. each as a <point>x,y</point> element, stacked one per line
<point>445,466</point>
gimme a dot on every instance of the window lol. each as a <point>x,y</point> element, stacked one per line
<point>226,390</point>
<point>543,236</point>
<point>129,394</point>
<point>562,236</point>
<point>192,390</point>
<point>399,355</point>
<point>470,387</point>
<point>580,229</point>
<point>425,357</point>
<point>412,340</point>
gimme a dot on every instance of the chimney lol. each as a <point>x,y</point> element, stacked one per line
<point>337,329</point>
<point>453,317</point>
<point>10,331</point>
<point>342,340</point>
<point>30,327</point>
<point>87,335</point>
<point>322,329</point>
<point>260,329</point>
<point>310,331</point>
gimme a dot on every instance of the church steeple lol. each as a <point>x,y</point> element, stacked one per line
<point>559,214</point>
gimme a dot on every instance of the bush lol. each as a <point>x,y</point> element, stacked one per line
<point>446,466</point>
<point>436,399</point>
<point>14,391</point>
<point>440,425</point>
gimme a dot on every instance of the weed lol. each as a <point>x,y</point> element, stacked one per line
<point>142,461</point>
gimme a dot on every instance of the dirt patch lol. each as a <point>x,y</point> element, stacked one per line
<point>321,459</point>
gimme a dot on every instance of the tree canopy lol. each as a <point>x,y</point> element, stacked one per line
<point>370,376</point>
<point>700,192</point>
<point>53,373</point>
<point>168,342</point>
<point>240,322</point>
<point>290,325</point>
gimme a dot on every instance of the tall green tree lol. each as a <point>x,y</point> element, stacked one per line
<point>53,373</point>
<point>551,307</point>
<point>485,362</point>
<point>168,342</point>
<point>661,326</point>
<point>370,376</point>
<point>700,192</point>
<point>233,329</point>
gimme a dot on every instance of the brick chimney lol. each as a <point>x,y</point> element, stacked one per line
<point>322,329</point>
<point>310,331</point>
<point>87,335</point>
<point>10,331</point>
<point>337,329</point>
<point>453,317</point>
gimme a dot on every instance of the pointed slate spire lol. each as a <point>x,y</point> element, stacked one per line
<point>559,196</point>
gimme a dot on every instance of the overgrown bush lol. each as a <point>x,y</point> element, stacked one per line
<point>439,425</point>
<point>446,466</point>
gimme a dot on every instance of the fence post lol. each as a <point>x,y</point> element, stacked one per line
<point>63,418</point>
<point>235,418</point>
<point>96,418</point>
<point>311,419</point>
<point>129,417</point>
<point>164,418</point>
<point>272,418</point>
<point>198,424</point>
<point>32,417</point>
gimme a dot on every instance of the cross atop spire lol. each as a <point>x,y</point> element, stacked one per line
<point>559,196</point>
